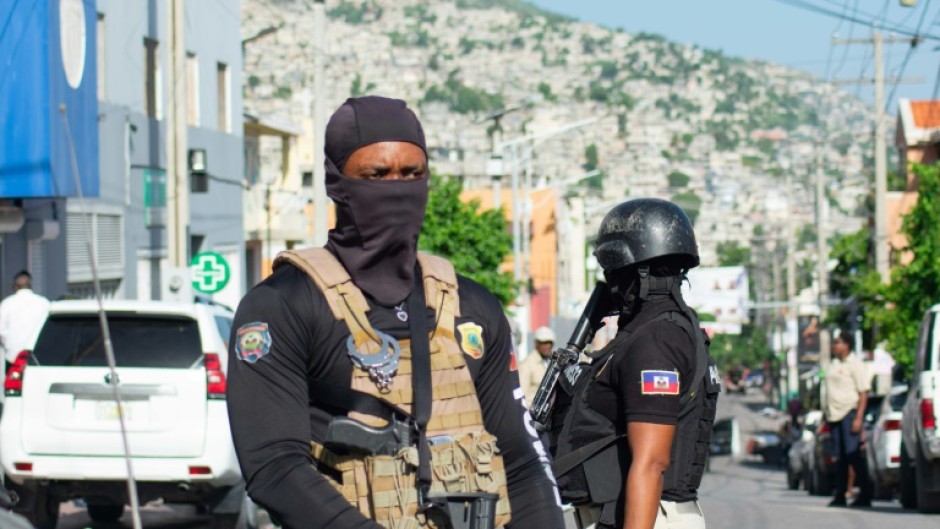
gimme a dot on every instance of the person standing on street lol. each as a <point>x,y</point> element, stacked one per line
<point>532,368</point>
<point>654,385</point>
<point>22,314</point>
<point>369,384</point>
<point>846,387</point>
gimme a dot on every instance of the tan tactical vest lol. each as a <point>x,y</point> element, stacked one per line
<point>383,488</point>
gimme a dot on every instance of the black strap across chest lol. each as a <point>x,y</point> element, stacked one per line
<point>421,380</point>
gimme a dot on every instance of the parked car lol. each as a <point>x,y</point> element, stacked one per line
<point>754,379</point>
<point>920,438</point>
<point>883,447</point>
<point>819,466</point>
<point>725,438</point>
<point>60,431</point>
<point>766,445</point>
<point>797,456</point>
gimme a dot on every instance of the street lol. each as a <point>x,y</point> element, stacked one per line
<point>750,494</point>
<point>743,493</point>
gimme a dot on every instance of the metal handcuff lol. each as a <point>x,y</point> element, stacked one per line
<point>381,366</point>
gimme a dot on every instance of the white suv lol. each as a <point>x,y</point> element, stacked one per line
<point>920,436</point>
<point>60,431</point>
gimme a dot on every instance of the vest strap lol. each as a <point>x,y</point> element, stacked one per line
<point>347,303</point>
<point>440,285</point>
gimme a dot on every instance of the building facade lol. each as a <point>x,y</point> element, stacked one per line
<point>124,215</point>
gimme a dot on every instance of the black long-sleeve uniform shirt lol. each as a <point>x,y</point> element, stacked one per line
<point>295,341</point>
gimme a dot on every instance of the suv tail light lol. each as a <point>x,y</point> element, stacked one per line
<point>13,384</point>
<point>215,378</point>
<point>892,425</point>
<point>927,418</point>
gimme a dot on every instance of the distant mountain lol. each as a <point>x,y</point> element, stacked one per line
<point>732,127</point>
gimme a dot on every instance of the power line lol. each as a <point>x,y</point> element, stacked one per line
<point>845,53</point>
<point>831,13</point>
<point>910,51</point>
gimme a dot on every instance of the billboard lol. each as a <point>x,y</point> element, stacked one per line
<point>722,292</point>
<point>48,60</point>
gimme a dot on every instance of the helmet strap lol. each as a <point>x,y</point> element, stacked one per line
<point>677,296</point>
<point>644,273</point>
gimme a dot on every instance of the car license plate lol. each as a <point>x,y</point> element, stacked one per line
<point>109,411</point>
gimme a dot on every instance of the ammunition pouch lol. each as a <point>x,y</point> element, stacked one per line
<point>383,487</point>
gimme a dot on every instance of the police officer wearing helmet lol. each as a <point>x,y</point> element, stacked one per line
<point>657,387</point>
<point>369,385</point>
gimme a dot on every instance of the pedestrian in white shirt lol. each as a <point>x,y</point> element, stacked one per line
<point>21,316</point>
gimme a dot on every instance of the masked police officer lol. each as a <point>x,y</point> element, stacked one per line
<point>369,385</point>
<point>656,386</point>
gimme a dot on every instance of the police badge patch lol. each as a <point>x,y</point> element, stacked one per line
<point>252,341</point>
<point>471,339</point>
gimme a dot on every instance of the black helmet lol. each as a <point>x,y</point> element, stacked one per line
<point>643,229</point>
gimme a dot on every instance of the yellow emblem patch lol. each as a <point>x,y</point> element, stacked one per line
<point>471,339</point>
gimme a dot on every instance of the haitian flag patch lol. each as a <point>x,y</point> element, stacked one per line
<point>660,382</point>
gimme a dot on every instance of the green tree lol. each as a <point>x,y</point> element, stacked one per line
<point>477,242</point>
<point>678,179</point>
<point>730,253</point>
<point>748,349</point>
<point>546,90</point>
<point>690,202</point>
<point>590,157</point>
<point>916,286</point>
<point>855,281</point>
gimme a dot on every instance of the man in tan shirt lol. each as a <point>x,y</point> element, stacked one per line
<point>846,386</point>
<point>533,367</point>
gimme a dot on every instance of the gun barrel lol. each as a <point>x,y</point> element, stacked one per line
<point>594,311</point>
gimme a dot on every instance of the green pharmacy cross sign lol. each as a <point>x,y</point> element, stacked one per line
<point>210,272</point>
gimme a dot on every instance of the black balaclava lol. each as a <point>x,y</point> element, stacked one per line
<point>377,222</point>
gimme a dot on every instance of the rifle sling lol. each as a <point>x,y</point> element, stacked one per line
<point>567,462</point>
<point>421,380</point>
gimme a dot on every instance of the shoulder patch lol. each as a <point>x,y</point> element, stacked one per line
<point>660,382</point>
<point>471,339</point>
<point>252,341</point>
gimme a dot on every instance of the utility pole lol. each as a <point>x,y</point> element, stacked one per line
<point>176,143</point>
<point>319,123</point>
<point>881,167</point>
<point>792,328</point>
<point>822,257</point>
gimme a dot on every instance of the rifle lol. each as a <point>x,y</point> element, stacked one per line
<point>565,359</point>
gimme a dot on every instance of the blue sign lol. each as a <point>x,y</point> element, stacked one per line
<point>48,60</point>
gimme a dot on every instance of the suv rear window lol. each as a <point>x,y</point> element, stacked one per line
<point>138,340</point>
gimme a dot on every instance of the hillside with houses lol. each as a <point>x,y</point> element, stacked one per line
<point>718,134</point>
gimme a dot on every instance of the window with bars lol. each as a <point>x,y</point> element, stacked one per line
<point>106,231</point>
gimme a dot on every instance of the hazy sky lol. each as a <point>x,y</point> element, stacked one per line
<point>773,31</point>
